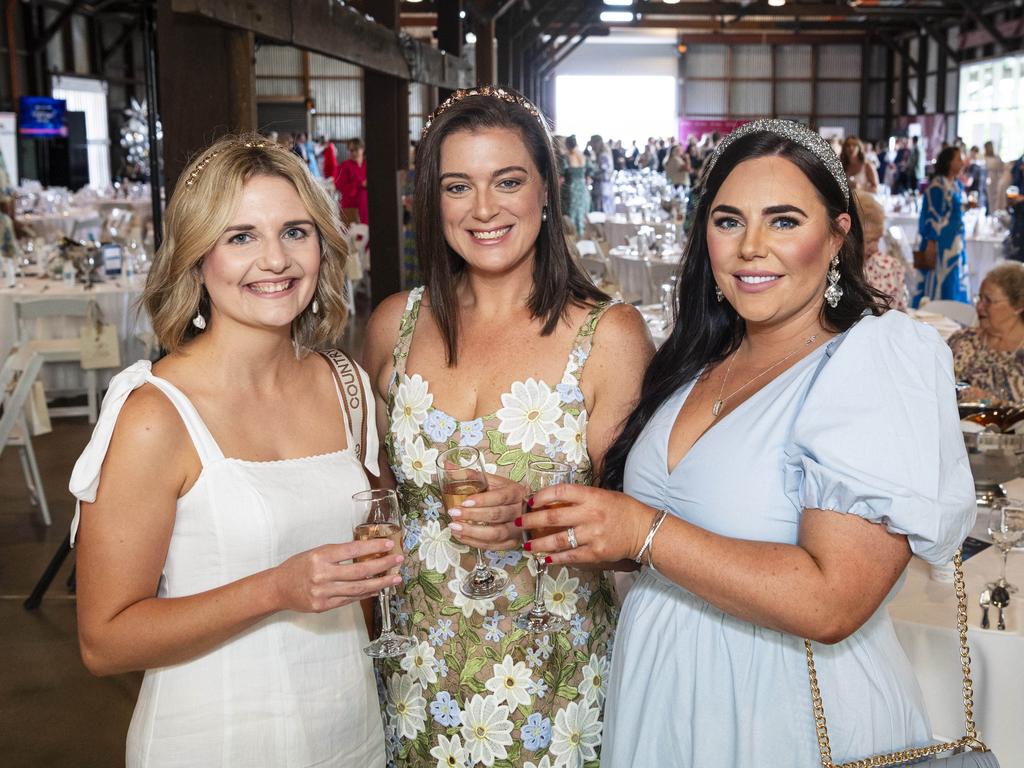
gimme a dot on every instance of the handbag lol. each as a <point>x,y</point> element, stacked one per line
<point>979,755</point>
<point>926,257</point>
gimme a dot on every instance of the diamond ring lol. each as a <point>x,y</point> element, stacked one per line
<point>571,533</point>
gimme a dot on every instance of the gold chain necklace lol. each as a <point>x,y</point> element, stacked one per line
<point>721,401</point>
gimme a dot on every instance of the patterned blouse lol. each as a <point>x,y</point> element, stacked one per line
<point>476,690</point>
<point>888,274</point>
<point>1000,373</point>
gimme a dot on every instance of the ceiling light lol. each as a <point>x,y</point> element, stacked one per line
<point>462,14</point>
<point>618,2</point>
<point>670,2</point>
<point>616,16</point>
<point>776,3</point>
<point>470,38</point>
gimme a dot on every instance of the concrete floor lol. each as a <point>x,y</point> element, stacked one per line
<point>52,711</point>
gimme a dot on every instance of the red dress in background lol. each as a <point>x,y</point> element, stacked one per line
<point>330,161</point>
<point>350,181</point>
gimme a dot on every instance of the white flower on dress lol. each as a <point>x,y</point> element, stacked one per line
<point>418,461</point>
<point>530,414</point>
<point>572,435</point>
<point>410,409</point>
<point>594,684</point>
<point>545,762</point>
<point>420,662</point>
<point>449,752</point>
<point>510,682</point>
<point>469,605</point>
<point>560,593</point>
<point>437,549</point>
<point>486,729</point>
<point>406,705</point>
<point>576,734</point>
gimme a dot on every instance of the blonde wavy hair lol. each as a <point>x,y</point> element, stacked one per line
<point>199,212</point>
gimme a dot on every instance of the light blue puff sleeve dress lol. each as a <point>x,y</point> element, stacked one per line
<point>865,425</point>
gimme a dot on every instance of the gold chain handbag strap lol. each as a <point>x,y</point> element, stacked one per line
<point>896,758</point>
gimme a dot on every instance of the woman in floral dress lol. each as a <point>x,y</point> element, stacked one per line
<point>508,348</point>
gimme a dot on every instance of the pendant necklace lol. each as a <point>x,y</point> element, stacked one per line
<point>721,401</point>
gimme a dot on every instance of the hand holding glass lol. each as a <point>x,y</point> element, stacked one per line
<point>378,509</point>
<point>460,474</point>
<point>542,474</point>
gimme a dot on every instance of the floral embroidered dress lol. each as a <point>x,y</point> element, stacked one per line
<point>476,690</point>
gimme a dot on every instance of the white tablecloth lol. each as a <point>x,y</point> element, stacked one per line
<point>619,227</point>
<point>639,279</point>
<point>116,299</point>
<point>924,613</point>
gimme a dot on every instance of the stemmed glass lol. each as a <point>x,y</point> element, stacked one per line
<point>1006,527</point>
<point>378,509</point>
<point>542,474</point>
<point>460,474</point>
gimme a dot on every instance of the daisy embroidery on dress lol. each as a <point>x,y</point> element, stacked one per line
<point>530,414</point>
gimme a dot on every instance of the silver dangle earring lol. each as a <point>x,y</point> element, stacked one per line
<point>718,294</point>
<point>316,306</point>
<point>199,321</point>
<point>833,293</point>
<point>544,214</point>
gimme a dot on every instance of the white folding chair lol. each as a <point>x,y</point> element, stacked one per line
<point>963,313</point>
<point>18,374</point>
<point>60,350</point>
<point>595,225</point>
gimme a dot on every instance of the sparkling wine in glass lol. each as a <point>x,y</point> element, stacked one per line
<point>460,474</point>
<point>1006,527</point>
<point>542,474</point>
<point>378,509</point>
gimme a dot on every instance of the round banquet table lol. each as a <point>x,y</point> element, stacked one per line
<point>924,614</point>
<point>639,279</point>
<point>620,227</point>
<point>116,299</point>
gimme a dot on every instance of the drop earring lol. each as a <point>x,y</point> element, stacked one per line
<point>316,306</point>
<point>544,214</point>
<point>833,293</point>
<point>718,294</point>
<point>199,321</point>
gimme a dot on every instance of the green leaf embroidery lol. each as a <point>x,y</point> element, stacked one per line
<point>473,666</point>
<point>432,592</point>
<point>567,692</point>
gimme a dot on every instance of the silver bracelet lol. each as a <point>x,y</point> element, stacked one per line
<point>655,525</point>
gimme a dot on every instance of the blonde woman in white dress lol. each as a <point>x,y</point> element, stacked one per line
<point>215,531</point>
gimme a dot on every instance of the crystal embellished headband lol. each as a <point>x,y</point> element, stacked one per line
<point>796,133</point>
<point>192,177</point>
<point>484,90</point>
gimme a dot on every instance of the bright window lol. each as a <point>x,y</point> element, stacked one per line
<point>992,105</point>
<point>623,108</point>
<point>89,96</point>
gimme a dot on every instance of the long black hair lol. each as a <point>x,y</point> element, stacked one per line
<point>707,331</point>
<point>558,280</point>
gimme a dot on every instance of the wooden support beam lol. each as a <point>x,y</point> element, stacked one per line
<point>55,25</point>
<point>553,64</point>
<point>449,34</point>
<point>338,31</point>
<point>485,50</point>
<point>127,33</point>
<point>903,52</point>
<point>865,70</point>
<point>939,36</point>
<point>799,10</point>
<point>890,97</point>
<point>387,126</point>
<point>986,23</point>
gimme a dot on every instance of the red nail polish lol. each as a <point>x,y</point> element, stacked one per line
<point>518,522</point>
<point>529,502</point>
<point>526,545</point>
<point>547,560</point>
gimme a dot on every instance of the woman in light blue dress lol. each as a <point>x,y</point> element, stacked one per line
<point>942,222</point>
<point>792,448</point>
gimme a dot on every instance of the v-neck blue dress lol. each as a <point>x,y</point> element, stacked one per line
<point>865,425</point>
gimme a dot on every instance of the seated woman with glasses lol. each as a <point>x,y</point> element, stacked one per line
<point>990,356</point>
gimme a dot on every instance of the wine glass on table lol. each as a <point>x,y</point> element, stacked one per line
<point>1006,527</point>
<point>460,474</point>
<point>543,474</point>
<point>378,509</point>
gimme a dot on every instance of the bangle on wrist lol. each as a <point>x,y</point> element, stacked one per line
<point>656,522</point>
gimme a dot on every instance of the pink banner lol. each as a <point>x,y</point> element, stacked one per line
<point>698,128</point>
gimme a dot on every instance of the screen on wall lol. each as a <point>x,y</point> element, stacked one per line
<point>42,116</point>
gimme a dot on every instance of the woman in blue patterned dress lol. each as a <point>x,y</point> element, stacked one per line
<point>942,223</point>
<point>508,348</point>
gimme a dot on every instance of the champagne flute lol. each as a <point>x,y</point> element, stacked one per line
<point>460,474</point>
<point>378,509</point>
<point>542,474</point>
<point>1006,527</point>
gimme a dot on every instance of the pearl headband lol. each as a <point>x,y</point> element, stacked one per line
<point>796,133</point>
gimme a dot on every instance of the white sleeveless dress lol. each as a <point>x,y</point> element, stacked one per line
<point>294,689</point>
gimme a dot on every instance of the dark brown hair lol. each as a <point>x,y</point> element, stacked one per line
<point>707,331</point>
<point>558,281</point>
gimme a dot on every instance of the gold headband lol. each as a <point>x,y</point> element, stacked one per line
<point>484,90</point>
<point>192,177</point>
